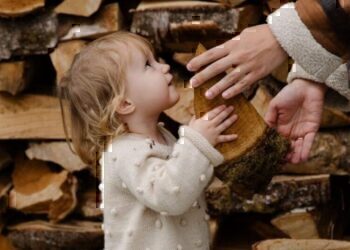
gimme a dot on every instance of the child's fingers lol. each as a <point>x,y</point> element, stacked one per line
<point>222,115</point>
<point>214,112</point>
<point>227,123</point>
<point>226,138</point>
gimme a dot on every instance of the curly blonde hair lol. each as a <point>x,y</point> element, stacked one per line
<point>94,86</point>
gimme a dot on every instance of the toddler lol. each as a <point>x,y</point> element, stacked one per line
<point>153,185</point>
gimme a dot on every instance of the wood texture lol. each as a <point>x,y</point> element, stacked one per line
<point>15,8</point>
<point>78,7</point>
<point>180,25</point>
<point>31,117</point>
<point>107,20</point>
<point>284,193</point>
<point>290,244</point>
<point>71,235</point>
<point>30,35</point>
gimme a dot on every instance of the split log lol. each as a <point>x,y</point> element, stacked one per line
<point>284,193</point>
<point>40,190</point>
<point>31,117</point>
<point>43,235</point>
<point>252,159</point>
<point>291,244</point>
<point>5,243</point>
<point>11,8</point>
<point>29,35</point>
<point>5,186</point>
<point>105,21</point>
<point>53,152</point>
<point>231,3</point>
<point>62,57</point>
<point>180,25</point>
<point>78,7</point>
<point>14,76</point>
<point>297,224</point>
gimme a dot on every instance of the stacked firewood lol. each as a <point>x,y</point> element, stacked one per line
<point>51,200</point>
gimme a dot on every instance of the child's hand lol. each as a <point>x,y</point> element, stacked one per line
<point>213,123</point>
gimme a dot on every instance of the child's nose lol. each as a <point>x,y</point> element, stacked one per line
<point>165,68</point>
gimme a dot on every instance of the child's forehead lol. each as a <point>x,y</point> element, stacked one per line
<point>135,52</point>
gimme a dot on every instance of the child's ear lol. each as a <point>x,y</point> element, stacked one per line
<point>125,107</point>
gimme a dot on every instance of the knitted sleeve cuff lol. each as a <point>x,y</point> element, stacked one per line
<point>338,94</point>
<point>298,42</point>
<point>202,144</point>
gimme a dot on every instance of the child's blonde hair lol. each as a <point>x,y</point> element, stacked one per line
<point>94,87</point>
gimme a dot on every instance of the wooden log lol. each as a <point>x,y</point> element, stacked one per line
<point>35,34</point>
<point>78,7</point>
<point>88,206</point>
<point>11,8</point>
<point>297,224</point>
<point>62,57</point>
<point>5,186</point>
<point>5,243</point>
<point>43,235</point>
<point>39,190</point>
<point>329,155</point>
<point>107,20</point>
<point>31,117</point>
<point>15,76</point>
<point>284,193</point>
<point>252,159</point>
<point>53,152</point>
<point>291,244</point>
<point>180,25</point>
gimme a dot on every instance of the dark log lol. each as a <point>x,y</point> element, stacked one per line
<point>43,235</point>
<point>28,35</point>
<point>284,193</point>
<point>180,25</point>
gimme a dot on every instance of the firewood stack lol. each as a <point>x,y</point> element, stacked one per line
<point>51,200</point>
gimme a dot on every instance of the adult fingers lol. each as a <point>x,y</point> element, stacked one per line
<point>244,83</point>
<point>207,57</point>
<point>230,79</point>
<point>297,150</point>
<point>271,115</point>
<point>214,112</point>
<point>226,138</point>
<point>308,140</point>
<point>222,116</point>
<point>227,123</point>
<point>212,70</point>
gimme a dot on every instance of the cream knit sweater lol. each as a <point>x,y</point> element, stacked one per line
<point>153,194</point>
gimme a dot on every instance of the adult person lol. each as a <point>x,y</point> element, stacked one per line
<point>315,33</point>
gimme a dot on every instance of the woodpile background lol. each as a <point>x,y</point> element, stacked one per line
<point>49,199</point>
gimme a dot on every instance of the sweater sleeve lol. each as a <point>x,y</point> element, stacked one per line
<point>298,42</point>
<point>338,94</point>
<point>170,185</point>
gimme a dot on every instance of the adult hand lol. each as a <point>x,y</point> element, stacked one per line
<point>254,54</point>
<point>296,113</point>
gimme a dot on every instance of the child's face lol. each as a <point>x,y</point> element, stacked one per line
<point>149,83</point>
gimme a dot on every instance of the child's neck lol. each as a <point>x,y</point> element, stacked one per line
<point>147,128</point>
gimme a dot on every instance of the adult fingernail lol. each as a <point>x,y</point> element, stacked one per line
<point>209,94</point>
<point>190,67</point>
<point>225,95</point>
<point>193,82</point>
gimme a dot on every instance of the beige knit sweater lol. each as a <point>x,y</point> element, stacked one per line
<point>153,194</point>
<point>312,61</point>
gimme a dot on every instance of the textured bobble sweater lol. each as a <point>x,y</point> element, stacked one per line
<point>153,194</point>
